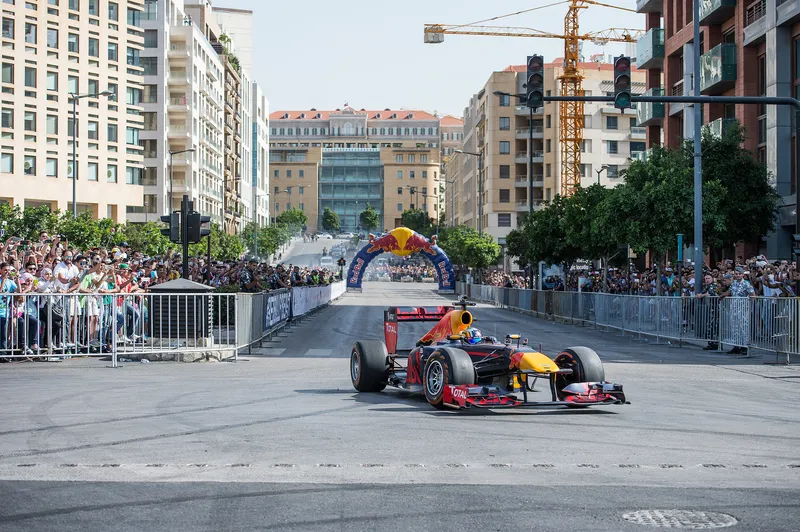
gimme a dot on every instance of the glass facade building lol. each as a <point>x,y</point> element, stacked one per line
<point>349,179</point>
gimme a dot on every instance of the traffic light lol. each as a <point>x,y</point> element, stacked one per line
<point>622,82</point>
<point>796,244</point>
<point>195,226</point>
<point>341,262</point>
<point>534,85</point>
<point>173,230</point>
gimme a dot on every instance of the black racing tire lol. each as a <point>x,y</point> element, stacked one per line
<point>444,366</point>
<point>369,366</point>
<point>586,366</point>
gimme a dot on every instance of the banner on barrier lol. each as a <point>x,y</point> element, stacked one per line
<point>277,306</point>
<point>306,299</point>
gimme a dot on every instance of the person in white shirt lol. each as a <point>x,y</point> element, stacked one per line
<point>67,280</point>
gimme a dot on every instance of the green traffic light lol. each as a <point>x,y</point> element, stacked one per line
<point>622,100</point>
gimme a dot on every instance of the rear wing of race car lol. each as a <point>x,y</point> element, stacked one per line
<point>393,315</point>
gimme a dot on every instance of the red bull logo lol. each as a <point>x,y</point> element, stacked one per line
<point>385,243</point>
<point>417,243</point>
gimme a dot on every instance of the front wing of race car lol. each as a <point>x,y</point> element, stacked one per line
<point>577,394</point>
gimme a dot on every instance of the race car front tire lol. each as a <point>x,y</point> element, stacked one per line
<point>585,364</point>
<point>445,366</point>
<point>369,366</point>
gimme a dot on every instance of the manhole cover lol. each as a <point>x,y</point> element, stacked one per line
<point>688,519</point>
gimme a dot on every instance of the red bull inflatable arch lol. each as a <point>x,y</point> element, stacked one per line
<point>402,241</point>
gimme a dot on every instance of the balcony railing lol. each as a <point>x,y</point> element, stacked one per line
<point>719,126</point>
<point>651,113</point>
<point>178,101</point>
<point>716,11</point>
<point>524,132</point>
<point>522,180</point>
<point>718,69</point>
<point>650,49</point>
<point>755,11</point>
<point>677,89</point>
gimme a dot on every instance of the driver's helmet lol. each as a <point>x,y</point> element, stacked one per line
<point>472,336</point>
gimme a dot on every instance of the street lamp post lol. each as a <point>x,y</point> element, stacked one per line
<point>171,154</point>
<point>75,97</point>
<point>604,167</point>
<point>479,155</point>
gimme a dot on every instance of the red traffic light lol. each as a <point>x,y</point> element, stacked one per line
<point>535,62</point>
<point>622,64</point>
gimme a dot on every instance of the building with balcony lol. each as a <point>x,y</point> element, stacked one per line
<point>501,129</point>
<point>183,110</point>
<point>747,49</point>
<point>53,49</point>
<point>348,158</point>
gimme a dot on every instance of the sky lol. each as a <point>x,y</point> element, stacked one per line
<point>371,54</point>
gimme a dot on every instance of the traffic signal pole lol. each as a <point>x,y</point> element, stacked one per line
<point>185,208</point>
<point>698,201</point>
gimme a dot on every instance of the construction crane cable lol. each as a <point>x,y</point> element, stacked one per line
<point>512,14</point>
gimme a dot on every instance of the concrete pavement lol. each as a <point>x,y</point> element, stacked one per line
<point>280,440</point>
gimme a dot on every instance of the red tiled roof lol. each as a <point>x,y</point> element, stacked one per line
<point>450,120</point>
<point>402,114</point>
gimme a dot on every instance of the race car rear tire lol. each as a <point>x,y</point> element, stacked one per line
<point>444,366</point>
<point>369,366</point>
<point>586,366</point>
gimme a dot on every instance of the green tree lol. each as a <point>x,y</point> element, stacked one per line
<point>330,220</point>
<point>369,218</point>
<point>82,232</point>
<point>419,221</point>
<point>223,246</point>
<point>145,237</point>
<point>294,219</point>
<point>466,248</point>
<point>34,220</point>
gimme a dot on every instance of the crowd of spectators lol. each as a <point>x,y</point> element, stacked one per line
<point>403,272</point>
<point>506,280</point>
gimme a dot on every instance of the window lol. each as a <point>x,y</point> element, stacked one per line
<point>548,121</point>
<point>424,190</point>
<point>411,158</point>
<point>547,170</point>
<point>547,145</point>
<point>113,11</point>
<point>72,84</point>
<point>398,158</point>
<point>133,96</point>
<point>72,43</point>
<point>51,167</point>
<point>504,219</point>
<point>424,174</point>
<point>30,33</point>
<point>151,38</point>
<point>111,175</point>
<point>611,122</point>
<point>132,136</point>
<point>94,47</point>
<point>411,174</point>
<point>70,124</point>
<point>133,57</point>
<point>586,146</point>
<point>505,100</point>
<point>75,4</point>
<point>505,123</point>
<point>505,147</point>
<point>8,72</point>
<point>399,191</point>
<point>423,158</point>
<point>94,7</point>
<point>399,207</point>
<point>150,65</point>
<point>612,147</point>
<point>30,121</point>
<point>7,163</point>
<point>301,189</point>
<point>52,124</point>
<point>133,176</point>
<point>30,77</point>
<point>399,174</point>
<point>505,195</point>
<point>134,17</point>
<point>301,173</point>
<point>91,172</point>
<point>8,28</point>
<point>288,175</point>
<point>276,173</point>
<point>112,133</point>
<point>505,171</point>
<point>613,171</point>
<point>52,81</point>
<point>29,165</point>
<point>93,86</point>
<point>113,51</point>
<point>634,122</point>
<point>92,130</point>
<point>7,118</point>
<point>638,146</point>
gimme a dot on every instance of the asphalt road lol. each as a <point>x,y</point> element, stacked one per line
<point>309,253</point>
<point>280,440</point>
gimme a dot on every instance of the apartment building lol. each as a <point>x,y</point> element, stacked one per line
<point>347,158</point>
<point>499,128</point>
<point>51,50</point>
<point>260,158</point>
<point>183,111</point>
<point>749,48</point>
<point>452,131</point>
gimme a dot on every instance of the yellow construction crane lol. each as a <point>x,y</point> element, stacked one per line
<point>571,130</point>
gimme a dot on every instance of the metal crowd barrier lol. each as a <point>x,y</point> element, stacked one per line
<point>173,326</point>
<point>760,323</point>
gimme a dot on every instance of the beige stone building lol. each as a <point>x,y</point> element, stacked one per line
<point>498,128</point>
<point>50,50</point>
<point>348,158</point>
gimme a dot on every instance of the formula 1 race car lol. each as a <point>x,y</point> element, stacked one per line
<point>456,367</point>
